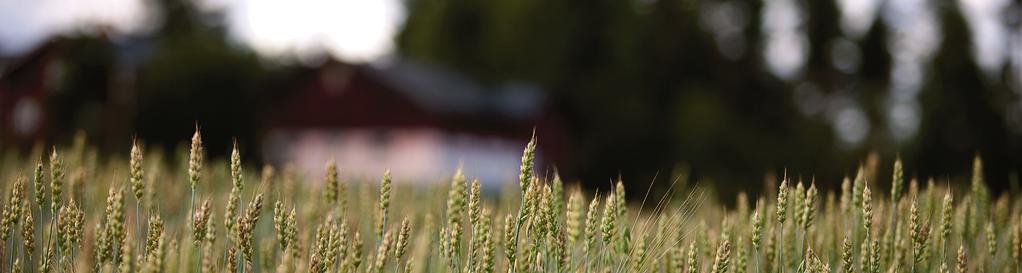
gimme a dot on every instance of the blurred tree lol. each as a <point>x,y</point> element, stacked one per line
<point>196,75</point>
<point>86,78</point>
<point>645,84</point>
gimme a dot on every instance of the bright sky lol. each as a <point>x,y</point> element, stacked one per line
<point>356,30</point>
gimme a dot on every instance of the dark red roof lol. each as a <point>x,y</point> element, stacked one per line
<point>341,95</point>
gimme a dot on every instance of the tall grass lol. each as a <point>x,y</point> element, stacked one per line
<point>344,224</point>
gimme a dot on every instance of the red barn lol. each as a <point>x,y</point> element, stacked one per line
<point>25,84</point>
<point>419,121</point>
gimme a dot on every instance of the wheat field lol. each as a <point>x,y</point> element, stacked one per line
<point>66,212</point>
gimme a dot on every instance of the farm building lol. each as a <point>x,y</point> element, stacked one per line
<point>417,120</point>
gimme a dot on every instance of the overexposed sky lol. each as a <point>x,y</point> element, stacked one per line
<point>24,23</point>
<point>356,30</point>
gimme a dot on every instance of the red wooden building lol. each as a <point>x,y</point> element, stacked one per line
<point>417,120</point>
<point>25,84</point>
